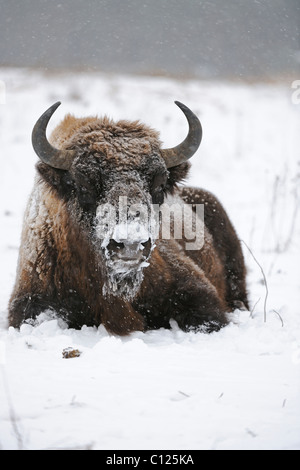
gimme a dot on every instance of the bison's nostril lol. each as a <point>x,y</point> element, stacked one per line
<point>114,247</point>
<point>124,250</point>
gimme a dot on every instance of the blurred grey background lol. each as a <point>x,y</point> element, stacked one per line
<point>236,39</point>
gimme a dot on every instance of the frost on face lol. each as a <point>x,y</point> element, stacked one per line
<point>126,241</point>
<point>123,280</point>
<point>124,273</point>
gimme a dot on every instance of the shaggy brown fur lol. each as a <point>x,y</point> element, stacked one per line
<point>61,267</point>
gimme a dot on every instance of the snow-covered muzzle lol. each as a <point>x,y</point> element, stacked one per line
<point>126,236</point>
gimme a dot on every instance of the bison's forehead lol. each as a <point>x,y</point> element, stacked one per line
<point>120,143</point>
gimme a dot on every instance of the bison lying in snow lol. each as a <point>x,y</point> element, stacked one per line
<point>90,253</point>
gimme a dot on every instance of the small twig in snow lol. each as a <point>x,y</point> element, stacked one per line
<point>264,277</point>
<point>12,414</point>
<point>252,434</point>
<point>275,311</point>
<point>253,308</point>
<point>184,394</point>
<point>284,402</point>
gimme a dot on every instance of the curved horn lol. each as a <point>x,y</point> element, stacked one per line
<point>61,159</point>
<point>189,146</point>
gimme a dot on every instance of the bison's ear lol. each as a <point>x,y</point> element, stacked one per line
<point>176,175</point>
<point>59,180</point>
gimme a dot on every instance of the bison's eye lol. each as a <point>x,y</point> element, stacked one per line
<point>157,188</point>
<point>158,195</point>
<point>86,198</point>
<point>86,190</point>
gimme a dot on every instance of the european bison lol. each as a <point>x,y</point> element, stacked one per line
<point>90,253</point>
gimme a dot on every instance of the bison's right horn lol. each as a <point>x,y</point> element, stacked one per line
<point>61,159</point>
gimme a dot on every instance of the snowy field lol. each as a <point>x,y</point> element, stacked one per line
<point>236,389</point>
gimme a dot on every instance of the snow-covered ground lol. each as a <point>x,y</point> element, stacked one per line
<point>236,389</point>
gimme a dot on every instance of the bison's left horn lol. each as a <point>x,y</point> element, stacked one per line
<point>184,151</point>
<point>61,159</point>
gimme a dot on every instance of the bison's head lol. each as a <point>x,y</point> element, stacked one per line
<point>109,174</point>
